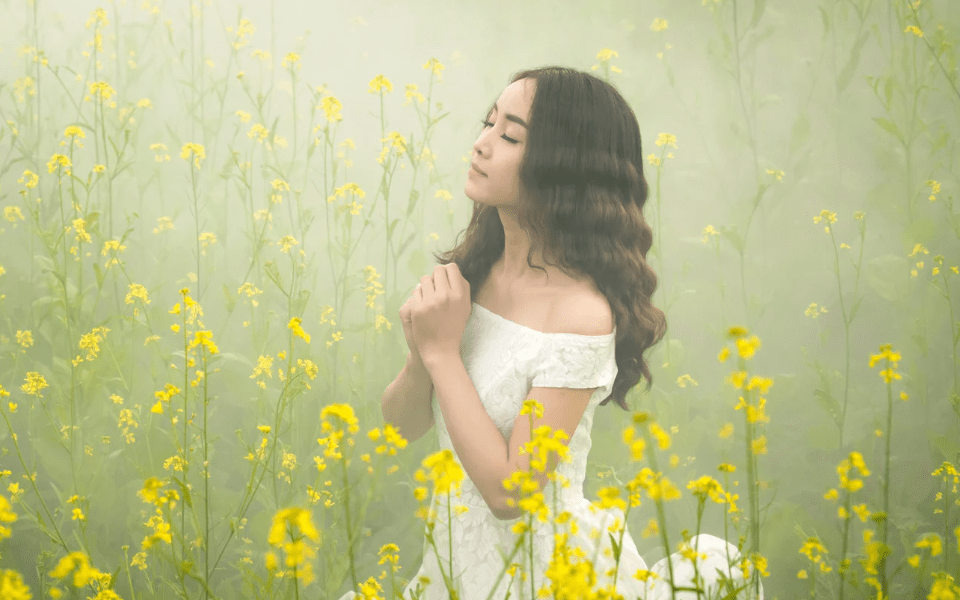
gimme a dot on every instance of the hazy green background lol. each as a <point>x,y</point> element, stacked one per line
<point>780,110</point>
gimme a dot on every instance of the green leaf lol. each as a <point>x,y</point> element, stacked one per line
<point>231,300</point>
<point>391,226</point>
<point>273,273</point>
<point>412,204</point>
<point>616,547</point>
<point>185,492</point>
<point>99,273</point>
<point>948,447</point>
<point>300,304</point>
<point>829,403</point>
<point>890,127</point>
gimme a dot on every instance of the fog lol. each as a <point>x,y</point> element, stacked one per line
<point>801,164</point>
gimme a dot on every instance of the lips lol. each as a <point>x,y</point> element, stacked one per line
<point>476,168</point>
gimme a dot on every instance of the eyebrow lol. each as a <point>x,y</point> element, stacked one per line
<point>512,117</point>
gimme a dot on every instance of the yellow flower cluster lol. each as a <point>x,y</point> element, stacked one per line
<point>707,486</point>
<point>25,338</point>
<point>390,436</point>
<point>287,242</point>
<point>127,421</point>
<point>656,485</point>
<point>7,516</point>
<point>29,179</point>
<point>137,291</point>
<point>261,452</point>
<point>296,551</point>
<point>12,213</point>
<point>851,485</point>
<point>446,474</point>
<point>153,493</point>
<point>12,586</point>
<point>813,550</point>
<point>80,226</point>
<point>164,395</point>
<point>344,414</point>
<point>294,325</point>
<point>828,216</point>
<point>887,374</point>
<point>196,150</point>
<point>161,531</point>
<point>91,341</point>
<point>259,132</point>
<point>570,574</point>
<point>57,161</point>
<point>79,564</point>
<point>205,339</point>
<point>34,382</point>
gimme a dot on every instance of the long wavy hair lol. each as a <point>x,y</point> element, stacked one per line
<point>583,191</point>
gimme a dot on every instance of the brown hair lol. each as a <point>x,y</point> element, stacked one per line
<point>583,189</point>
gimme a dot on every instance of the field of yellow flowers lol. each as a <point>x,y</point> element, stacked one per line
<point>191,361</point>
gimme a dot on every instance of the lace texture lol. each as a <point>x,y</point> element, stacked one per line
<point>505,360</point>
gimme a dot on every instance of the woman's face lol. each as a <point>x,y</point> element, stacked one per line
<point>498,150</point>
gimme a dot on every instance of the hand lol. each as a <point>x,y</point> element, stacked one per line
<point>441,308</point>
<point>406,320</point>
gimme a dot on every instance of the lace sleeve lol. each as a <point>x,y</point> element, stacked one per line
<point>576,361</point>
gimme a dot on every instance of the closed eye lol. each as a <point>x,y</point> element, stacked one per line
<point>489,124</point>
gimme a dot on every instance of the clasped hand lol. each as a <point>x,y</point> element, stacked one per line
<point>441,308</point>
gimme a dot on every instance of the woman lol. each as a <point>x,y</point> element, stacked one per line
<point>548,297</point>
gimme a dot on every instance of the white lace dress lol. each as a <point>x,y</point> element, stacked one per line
<point>505,360</point>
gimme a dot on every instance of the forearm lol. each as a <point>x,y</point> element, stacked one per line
<point>480,446</point>
<point>406,401</point>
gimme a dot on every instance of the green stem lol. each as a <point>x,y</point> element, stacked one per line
<point>886,490</point>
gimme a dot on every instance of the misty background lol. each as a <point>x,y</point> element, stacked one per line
<point>768,113</point>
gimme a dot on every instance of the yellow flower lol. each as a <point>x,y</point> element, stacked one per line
<point>286,242</point>
<point>75,561</point>
<point>759,445</point>
<point>34,383</point>
<point>137,291</point>
<point>444,471</point>
<point>886,352</point>
<point>932,541</point>
<point>29,179</point>
<point>294,516</point>
<point>205,339</point>
<point>331,108</point>
<point>12,586</point>
<point>294,325</point>
<point>12,213</point>
<point>293,59</point>
<point>91,341</point>
<point>58,161</point>
<point>80,226</point>
<point>610,498</point>
<point>196,150</point>
<point>663,438</point>
<point>7,516</point>
<point>25,338</point>
<point>531,405</point>
<point>748,347</point>
<point>379,82</point>
<point>707,486</point>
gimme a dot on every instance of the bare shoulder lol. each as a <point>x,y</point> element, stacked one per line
<point>581,310</point>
